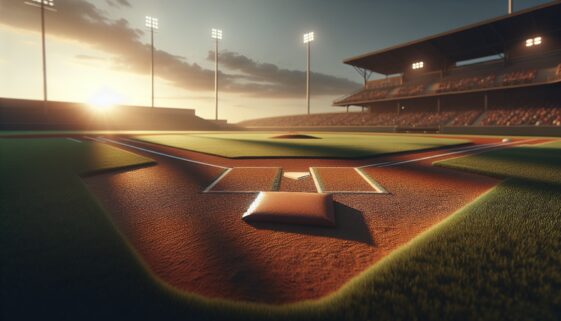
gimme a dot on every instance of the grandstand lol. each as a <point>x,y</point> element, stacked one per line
<point>503,73</point>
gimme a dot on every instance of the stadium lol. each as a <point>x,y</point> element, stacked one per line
<point>430,193</point>
<point>477,79</point>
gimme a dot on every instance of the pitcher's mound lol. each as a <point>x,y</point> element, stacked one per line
<point>292,208</point>
<point>295,136</point>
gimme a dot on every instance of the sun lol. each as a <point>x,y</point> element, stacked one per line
<point>104,99</point>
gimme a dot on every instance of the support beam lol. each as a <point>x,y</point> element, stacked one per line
<point>216,79</point>
<point>308,81</point>
<point>152,59</point>
<point>364,73</point>
<point>43,50</point>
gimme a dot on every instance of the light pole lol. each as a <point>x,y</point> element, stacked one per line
<point>152,23</point>
<point>308,38</point>
<point>44,5</point>
<point>216,34</point>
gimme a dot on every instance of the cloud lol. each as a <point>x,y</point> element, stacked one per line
<point>89,58</point>
<point>81,21</point>
<point>117,3</point>
<point>266,79</point>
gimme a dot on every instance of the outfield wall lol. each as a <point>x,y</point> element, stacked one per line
<point>504,130</point>
<point>19,114</point>
<point>379,129</point>
<point>468,130</point>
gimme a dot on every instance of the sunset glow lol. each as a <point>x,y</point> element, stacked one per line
<point>104,100</point>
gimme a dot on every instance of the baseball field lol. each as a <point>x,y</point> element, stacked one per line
<point>147,225</point>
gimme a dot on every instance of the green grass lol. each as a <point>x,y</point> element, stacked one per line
<point>530,162</point>
<point>342,145</point>
<point>63,259</point>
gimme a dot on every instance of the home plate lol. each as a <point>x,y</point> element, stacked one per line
<point>292,208</point>
<point>296,175</point>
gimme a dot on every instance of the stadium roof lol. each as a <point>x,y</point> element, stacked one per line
<point>482,39</point>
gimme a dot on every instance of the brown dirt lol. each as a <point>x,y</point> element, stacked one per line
<point>198,242</point>
<point>249,179</point>
<point>305,184</point>
<point>295,136</point>
<point>342,179</point>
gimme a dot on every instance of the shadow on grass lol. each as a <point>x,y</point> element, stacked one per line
<point>538,164</point>
<point>332,151</point>
<point>351,226</point>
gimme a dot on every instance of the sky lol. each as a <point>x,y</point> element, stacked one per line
<point>101,49</point>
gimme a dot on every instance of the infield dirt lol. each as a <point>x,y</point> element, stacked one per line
<point>198,242</point>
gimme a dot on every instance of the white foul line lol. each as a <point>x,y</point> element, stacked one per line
<point>379,188</point>
<point>74,140</point>
<point>91,138</point>
<point>472,148</point>
<point>211,186</point>
<point>162,154</point>
<point>317,182</point>
<point>463,149</point>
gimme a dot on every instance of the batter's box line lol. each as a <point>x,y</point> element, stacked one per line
<point>275,186</point>
<point>377,188</point>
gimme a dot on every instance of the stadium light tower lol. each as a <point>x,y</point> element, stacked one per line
<point>152,23</point>
<point>510,6</point>
<point>44,5</point>
<point>216,34</point>
<point>308,38</point>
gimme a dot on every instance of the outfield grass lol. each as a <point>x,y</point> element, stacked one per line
<point>341,145</point>
<point>63,259</point>
<point>530,162</point>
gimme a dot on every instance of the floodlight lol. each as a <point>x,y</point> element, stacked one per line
<point>308,37</point>
<point>49,3</point>
<point>534,41</point>
<point>216,34</point>
<point>418,65</point>
<point>152,22</point>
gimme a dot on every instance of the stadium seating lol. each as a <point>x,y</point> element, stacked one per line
<point>369,94</point>
<point>457,82</point>
<point>477,82</point>
<point>519,77</point>
<point>542,116</point>
<point>411,90</point>
<point>466,118</point>
<point>549,115</point>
